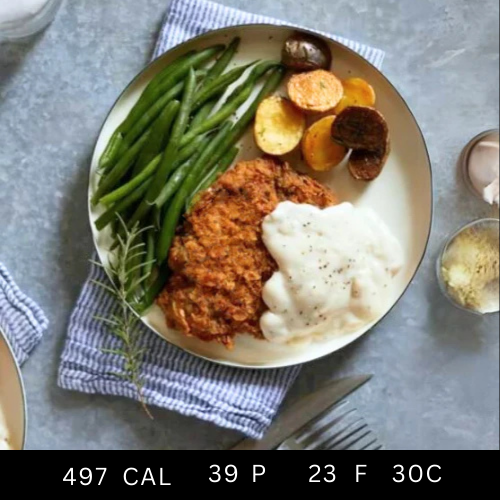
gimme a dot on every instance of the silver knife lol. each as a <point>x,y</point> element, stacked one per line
<point>303,411</point>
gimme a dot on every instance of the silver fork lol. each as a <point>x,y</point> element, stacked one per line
<point>338,428</point>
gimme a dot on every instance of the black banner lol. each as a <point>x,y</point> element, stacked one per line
<point>255,471</point>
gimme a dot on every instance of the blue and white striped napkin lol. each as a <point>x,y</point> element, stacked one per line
<point>244,400</point>
<point>189,18</point>
<point>21,320</point>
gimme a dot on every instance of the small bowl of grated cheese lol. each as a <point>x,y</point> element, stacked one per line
<point>468,267</point>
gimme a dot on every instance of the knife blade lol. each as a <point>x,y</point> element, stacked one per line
<point>303,411</point>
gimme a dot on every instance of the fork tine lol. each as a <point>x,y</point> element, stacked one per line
<point>330,410</point>
<point>321,445</point>
<point>337,428</point>
<point>357,440</point>
<point>332,443</point>
<point>308,441</point>
<point>368,445</point>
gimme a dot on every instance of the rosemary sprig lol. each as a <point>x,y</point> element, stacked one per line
<point>128,273</point>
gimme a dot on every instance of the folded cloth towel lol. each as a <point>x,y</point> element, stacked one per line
<point>244,400</point>
<point>21,320</point>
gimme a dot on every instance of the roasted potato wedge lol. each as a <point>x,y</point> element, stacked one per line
<point>358,127</point>
<point>303,52</point>
<point>320,152</point>
<point>367,165</point>
<point>315,92</point>
<point>279,126</point>
<point>357,92</point>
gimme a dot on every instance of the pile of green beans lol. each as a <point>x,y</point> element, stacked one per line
<point>159,85</point>
<point>173,145</point>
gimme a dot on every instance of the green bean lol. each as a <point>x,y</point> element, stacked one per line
<point>134,265</point>
<point>131,185</point>
<point>156,215</point>
<point>257,73</point>
<point>189,183</point>
<point>163,75</point>
<point>220,117</point>
<point>150,253</point>
<point>155,83</point>
<point>152,113</point>
<point>225,162</point>
<point>154,290</point>
<point>180,127</point>
<point>159,77</point>
<point>119,170</point>
<point>168,161</point>
<point>108,158</point>
<point>202,114</point>
<point>173,184</point>
<point>143,126</point>
<point>218,87</point>
<point>178,176</point>
<point>184,154</point>
<point>159,134</point>
<point>138,194</point>
<point>153,94</point>
<point>234,101</point>
<point>223,62</point>
<point>189,150</point>
<point>112,149</point>
<point>107,217</point>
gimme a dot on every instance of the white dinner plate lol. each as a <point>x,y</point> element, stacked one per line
<point>402,195</point>
<point>12,400</point>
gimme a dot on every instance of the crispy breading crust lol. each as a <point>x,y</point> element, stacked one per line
<point>218,259</point>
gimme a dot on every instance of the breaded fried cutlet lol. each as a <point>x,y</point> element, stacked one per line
<point>218,260</point>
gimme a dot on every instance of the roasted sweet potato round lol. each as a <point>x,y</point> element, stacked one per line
<point>358,127</point>
<point>357,92</point>
<point>279,126</point>
<point>367,165</point>
<point>303,52</point>
<point>320,152</point>
<point>315,92</point>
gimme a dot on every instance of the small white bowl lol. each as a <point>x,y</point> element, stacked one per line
<point>12,395</point>
<point>465,156</point>
<point>17,30</point>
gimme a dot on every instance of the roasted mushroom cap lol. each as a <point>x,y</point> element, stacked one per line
<point>303,52</point>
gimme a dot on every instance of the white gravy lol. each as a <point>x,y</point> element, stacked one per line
<point>336,270</point>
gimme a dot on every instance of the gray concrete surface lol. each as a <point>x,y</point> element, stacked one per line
<point>436,369</point>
